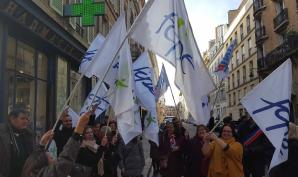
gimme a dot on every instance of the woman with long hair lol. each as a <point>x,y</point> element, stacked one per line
<point>197,164</point>
<point>40,163</point>
<point>225,153</point>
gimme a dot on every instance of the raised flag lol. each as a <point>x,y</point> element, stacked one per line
<point>222,70</point>
<point>104,57</point>
<point>101,100</point>
<point>162,83</point>
<point>129,124</point>
<point>94,47</point>
<point>145,93</point>
<point>269,106</point>
<point>164,28</point>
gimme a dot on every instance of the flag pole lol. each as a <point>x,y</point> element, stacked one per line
<point>145,9</point>
<point>63,108</point>
<point>175,103</point>
<point>217,92</point>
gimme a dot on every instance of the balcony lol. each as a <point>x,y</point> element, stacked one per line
<point>281,20</point>
<point>261,34</point>
<point>288,48</point>
<point>258,6</point>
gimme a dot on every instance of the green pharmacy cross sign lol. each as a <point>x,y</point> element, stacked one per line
<point>87,10</point>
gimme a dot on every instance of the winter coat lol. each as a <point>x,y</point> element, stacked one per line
<point>8,148</point>
<point>65,165</point>
<point>61,136</point>
<point>132,159</point>
<point>196,164</point>
<point>175,161</point>
<point>226,163</point>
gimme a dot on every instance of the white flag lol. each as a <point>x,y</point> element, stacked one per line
<point>129,124</point>
<point>162,83</point>
<point>165,29</point>
<point>269,105</point>
<point>145,92</point>
<point>104,57</point>
<point>94,48</point>
<point>121,78</point>
<point>101,100</point>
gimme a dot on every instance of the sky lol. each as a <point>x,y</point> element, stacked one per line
<point>204,16</point>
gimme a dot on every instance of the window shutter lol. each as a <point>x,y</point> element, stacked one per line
<point>57,5</point>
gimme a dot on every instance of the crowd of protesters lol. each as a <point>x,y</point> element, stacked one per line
<point>93,149</point>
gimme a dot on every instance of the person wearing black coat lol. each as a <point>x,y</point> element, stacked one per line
<point>61,136</point>
<point>16,143</point>
<point>257,148</point>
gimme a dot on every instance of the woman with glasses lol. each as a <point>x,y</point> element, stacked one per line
<point>225,153</point>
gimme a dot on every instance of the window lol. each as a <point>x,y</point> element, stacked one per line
<point>238,78</point>
<point>233,80</point>
<point>229,84</point>
<point>57,5</point>
<point>79,95</point>
<point>249,46</point>
<point>236,36</point>
<point>244,91</point>
<point>237,59</point>
<point>25,59</point>
<point>251,69</point>
<point>248,23</point>
<point>244,74</point>
<point>230,100</point>
<point>234,98</point>
<point>241,32</point>
<point>26,82</point>
<point>61,83</point>
<point>239,95</point>
<point>243,52</point>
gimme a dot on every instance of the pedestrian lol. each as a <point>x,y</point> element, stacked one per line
<point>16,143</point>
<point>113,125</point>
<point>62,134</point>
<point>171,149</point>
<point>132,160</point>
<point>40,163</point>
<point>88,154</point>
<point>255,145</point>
<point>154,157</point>
<point>225,153</point>
<point>197,165</point>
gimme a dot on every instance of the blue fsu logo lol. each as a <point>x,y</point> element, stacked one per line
<point>282,108</point>
<point>169,30</point>
<point>142,76</point>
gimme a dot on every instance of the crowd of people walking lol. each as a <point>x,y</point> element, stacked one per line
<point>97,150</point>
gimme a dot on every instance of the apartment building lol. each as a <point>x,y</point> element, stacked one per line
<point>277,38</point>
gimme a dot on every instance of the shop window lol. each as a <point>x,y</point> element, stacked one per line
<point>41,112</point>
<point>25,94</point>
<point>61,83</point>
<point>25,59</point>
<point>11,50</point>
<point>42,66</point>
<point>80,94</point>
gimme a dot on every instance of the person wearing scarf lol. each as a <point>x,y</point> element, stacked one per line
<point>225,153</point>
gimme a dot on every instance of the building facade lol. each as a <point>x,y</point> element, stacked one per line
<point>243,66</point>
<point>218,98</point>
<point>277,38</point>
<point>40,53</point>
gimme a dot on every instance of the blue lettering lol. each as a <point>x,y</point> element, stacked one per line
<point>89,55</point>
<point>171,35</point>
<point>142,76</point>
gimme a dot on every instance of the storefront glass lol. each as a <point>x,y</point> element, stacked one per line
<point>61,82</point>
<point>26,81</point>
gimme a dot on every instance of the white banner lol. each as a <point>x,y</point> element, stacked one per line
<point>269,105</point>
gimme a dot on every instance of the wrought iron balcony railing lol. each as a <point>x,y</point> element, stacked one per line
<point>261,34</point>
<point>281,20</point>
